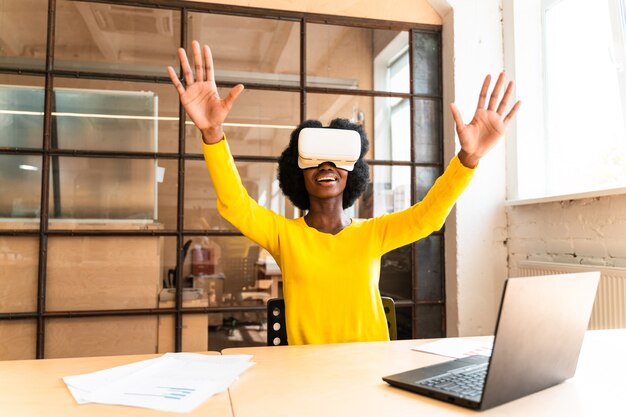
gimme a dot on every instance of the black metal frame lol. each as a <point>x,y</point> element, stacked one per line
<point>49,154</point>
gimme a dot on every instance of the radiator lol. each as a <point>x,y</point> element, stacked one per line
<point>609,311</point>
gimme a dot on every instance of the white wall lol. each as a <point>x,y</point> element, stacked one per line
<point>414,11</point>
<point>589,231</point>
<point>476,254</point>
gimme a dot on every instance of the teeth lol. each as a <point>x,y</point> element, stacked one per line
<point>326,179</point>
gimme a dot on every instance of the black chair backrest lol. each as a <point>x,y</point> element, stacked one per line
<point>277,330</point>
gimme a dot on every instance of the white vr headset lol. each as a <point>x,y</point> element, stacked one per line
<point>317,145</point>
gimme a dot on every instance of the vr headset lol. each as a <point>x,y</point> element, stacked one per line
<point>317,145</point>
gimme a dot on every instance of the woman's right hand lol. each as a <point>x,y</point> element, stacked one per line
<point>199,97</point>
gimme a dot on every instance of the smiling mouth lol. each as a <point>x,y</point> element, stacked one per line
<point>326,179</point>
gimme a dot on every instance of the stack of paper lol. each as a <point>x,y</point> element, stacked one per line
<point>455,347</point>
<point>177,382</point>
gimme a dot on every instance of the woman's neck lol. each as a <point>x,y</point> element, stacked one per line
<point>330,220</point>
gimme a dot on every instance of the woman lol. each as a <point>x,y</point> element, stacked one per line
<point>330,263</point>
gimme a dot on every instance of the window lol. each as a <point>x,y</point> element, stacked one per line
<point>584,98</point>
<point>110,239</point>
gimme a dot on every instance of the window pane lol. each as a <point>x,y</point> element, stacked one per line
<point>571,167</point>
<point>231,272</point>
<point>20,200</point>
<point>259,123</point>
<point>358,109</point>
<point>259,179</point>
<point>392,129</point>
<point>167,192</point>
<point>195,328</point>
<point>23,33</point>
<point>426,63</point>
<point>427,130</point>
<point>118,39</point>
<point>429,261</point>
<point>115,116</point>
<point>395,274</point>
<point>425,178</point>
<point>19,339</point>
<point>21,111</point>
<point>100,336</point>
<point>391,189</point>
<point>429,320</point>
<point>103,188</point>
<point>246,49</point>
<point>404,322</point>
<point>354,58</point>
<point>19,259</point>
<point>107,273</point>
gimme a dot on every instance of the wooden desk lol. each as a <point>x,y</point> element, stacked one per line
<point>34,388</point>
<point>345,380</point>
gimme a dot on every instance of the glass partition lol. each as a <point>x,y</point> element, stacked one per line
<point>101,336</point>
<point>118,161</point>
<point>355,58</point>
<point>259,124</point>
<point>19,257</point>
<point>19,339</point>
<point>21,175</point>
<point>426,63</point>
<point>259,179</point>
<point>112,38</point>
<point>115,116</point>
<point>250,49</point>
<point>426,177</point>
<point>103,273</point>
<point>103,188</point>
<point>21,111</point>
<point>23,45</point>
<point>427,125</point>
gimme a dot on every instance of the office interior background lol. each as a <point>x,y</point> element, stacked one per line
<point>110,241</point>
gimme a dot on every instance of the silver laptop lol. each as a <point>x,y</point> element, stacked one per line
<point>539,333</point>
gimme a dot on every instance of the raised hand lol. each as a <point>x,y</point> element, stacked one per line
<point>199,96</point>
<point>488,124</point>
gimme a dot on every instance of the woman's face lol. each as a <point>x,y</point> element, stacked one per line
<point>325,181</point>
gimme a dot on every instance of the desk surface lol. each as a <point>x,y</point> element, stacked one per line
<point>345,380</point>
<point>34,388</point>
<point>327,380</point>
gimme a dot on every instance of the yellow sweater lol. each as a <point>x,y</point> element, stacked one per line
<point>330,282</point>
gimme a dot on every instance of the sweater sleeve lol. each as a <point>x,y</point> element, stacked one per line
<point>420,220</point>
<point>233,201</point>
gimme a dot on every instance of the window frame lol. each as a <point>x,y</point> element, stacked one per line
<point>49,154</point>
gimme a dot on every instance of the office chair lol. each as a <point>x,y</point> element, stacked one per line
<point>171,273</point>
<point>277,329</point>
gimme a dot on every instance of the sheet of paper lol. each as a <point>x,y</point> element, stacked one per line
<point>176,382</point>
<point>455,347</point>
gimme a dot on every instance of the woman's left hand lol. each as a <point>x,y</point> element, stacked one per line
<point>488,124</point>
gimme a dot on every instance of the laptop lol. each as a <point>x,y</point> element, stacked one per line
<point>539,333</point>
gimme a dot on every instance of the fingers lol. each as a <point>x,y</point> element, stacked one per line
<point>495,94</point>
<point>456,115</point>
<point>511,113</point>
<point>483,92</point>
<point>197,60</point>
<point>505,98</point>
<point>493,100</point>
<point>174,77</point>
<point>184,62</point>
<point>232,95</point>
<point>208,63</point>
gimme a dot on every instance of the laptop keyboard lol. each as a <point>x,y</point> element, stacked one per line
<point>465,382</point>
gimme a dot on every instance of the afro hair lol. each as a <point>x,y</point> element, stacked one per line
<point>291,179</point>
